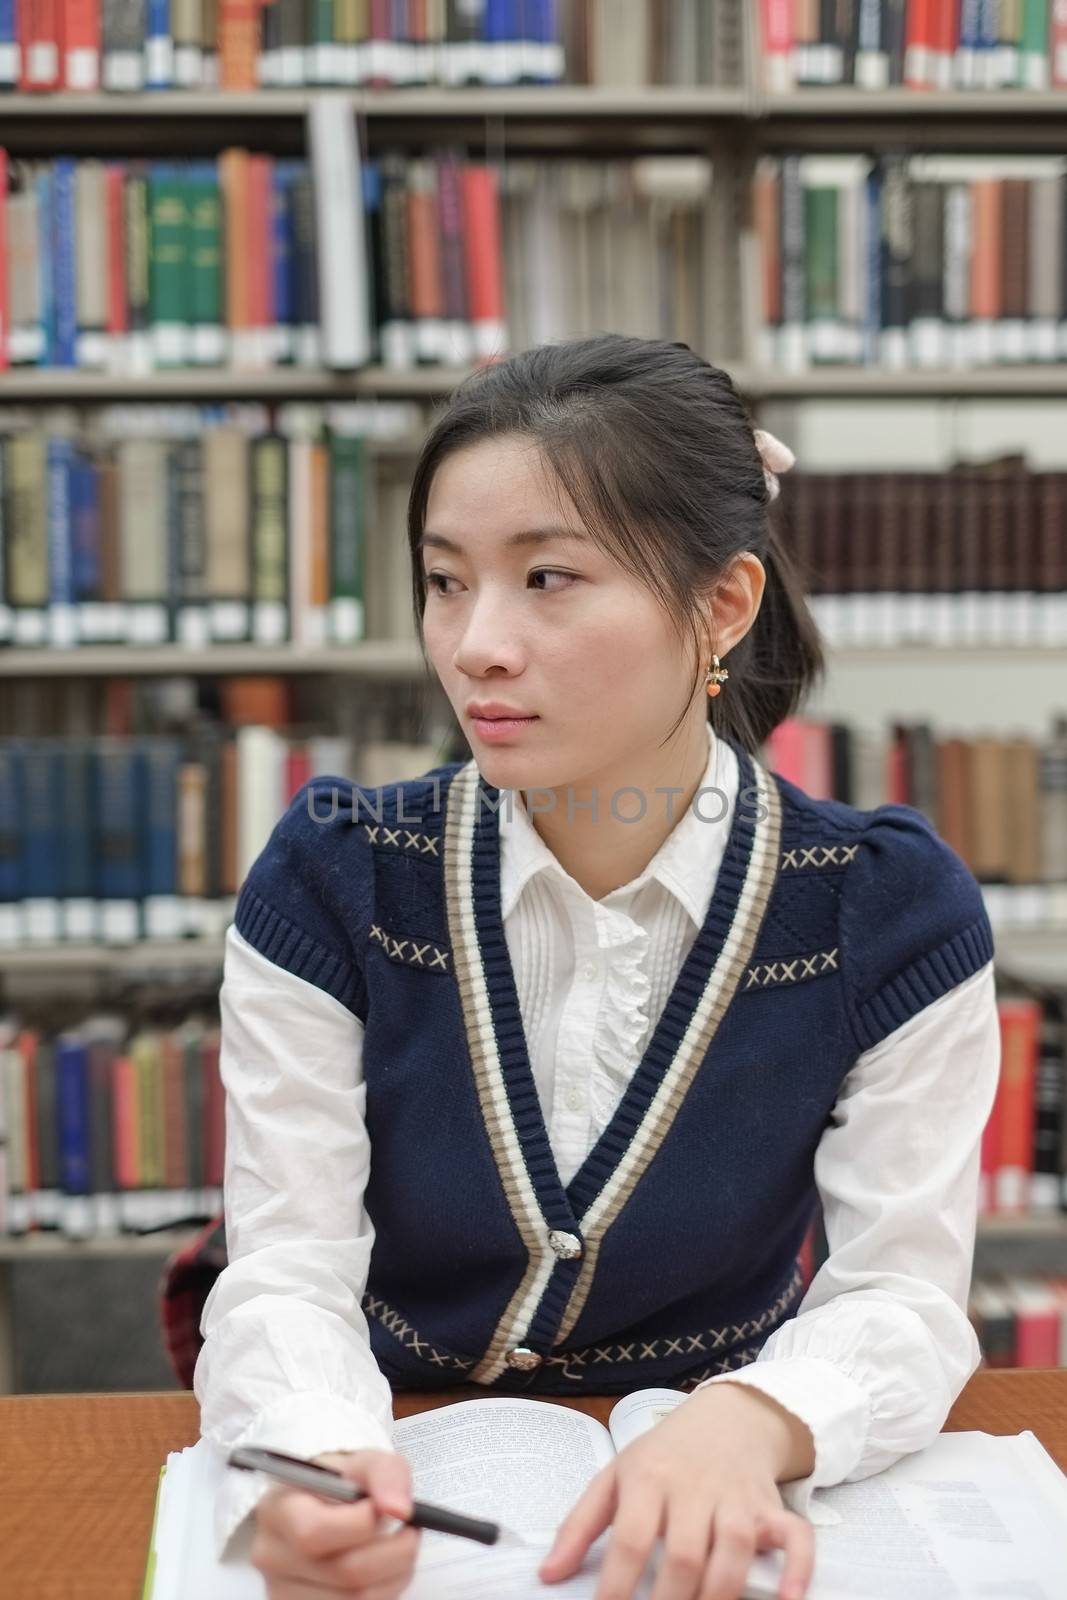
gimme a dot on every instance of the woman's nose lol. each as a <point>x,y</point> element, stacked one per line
<point>488,640</point>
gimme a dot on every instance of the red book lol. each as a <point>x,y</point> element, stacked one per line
<point>989,1161</point>
<point>920,43</point>
<point>37,27</point>
<point>298,770</point>
<point>776,44</point>
<point>1037,1323</point>
<point>81,44</point>
<point>126,1161</point>
<point>1057,43</point>
<point>117,304</point>
<point>898,788</point>
<point>785,751</point>
<point>260,284</point>
<point>485,281</point>
<point>4,312</point>
<point>1020,1029</point>
<point>214,1113</point>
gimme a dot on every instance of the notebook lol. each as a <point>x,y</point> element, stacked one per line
<point>974,1516</point>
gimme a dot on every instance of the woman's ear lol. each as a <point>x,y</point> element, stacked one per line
<point>735,601</point>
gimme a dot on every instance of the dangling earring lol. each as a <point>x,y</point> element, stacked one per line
<point>716,677</point>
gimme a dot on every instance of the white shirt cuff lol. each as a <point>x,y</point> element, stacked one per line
<point>834,1407</point>
<point>301,1425</point>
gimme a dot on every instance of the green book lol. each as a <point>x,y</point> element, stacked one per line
<point>270,539</point>
<point>203,218</point>
<point>150,1563</point>
<point>820,228</point>
<point>168,265</point>
<point>348,487</point>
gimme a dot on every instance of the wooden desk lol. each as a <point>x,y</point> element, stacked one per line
<point>78,1472</point>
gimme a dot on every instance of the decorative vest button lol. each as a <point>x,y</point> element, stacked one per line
<point>567,1246</point>
<point>526,1360</point>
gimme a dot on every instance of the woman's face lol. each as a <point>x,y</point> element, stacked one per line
<point>550,627</point>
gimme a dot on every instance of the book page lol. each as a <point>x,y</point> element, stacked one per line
<point>635,1413</point>
<point>966,1517</point>
<point>522,1463</point>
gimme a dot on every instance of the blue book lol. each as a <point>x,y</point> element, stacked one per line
<point>162,765</point>
<point>117,804</point>
<point>72,1114</point>
<point>872,286</point>
<point>502,52</point>
<point>540,31</point>
<point>66,303</point>
<point>85,521</point>
<point>42,881</point>
<point>158,46</point>
<point>79,867</point>
<point>63,630</point>
<point>987,45</point>
<point>10,55</point>
<point>11,835</point>
<point>43,185</point>
<point>283,245</point>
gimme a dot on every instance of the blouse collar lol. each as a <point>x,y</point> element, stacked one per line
<point>686,863</point>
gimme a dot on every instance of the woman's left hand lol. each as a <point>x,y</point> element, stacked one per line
<point>706,1479</point>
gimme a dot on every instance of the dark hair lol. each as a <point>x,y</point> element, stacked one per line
<point>655,448</point>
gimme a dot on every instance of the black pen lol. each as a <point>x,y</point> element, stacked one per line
<point>302,1474</point>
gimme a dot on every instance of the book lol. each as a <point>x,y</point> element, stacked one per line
<point>524,1463</point>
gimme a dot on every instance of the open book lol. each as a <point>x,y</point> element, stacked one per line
<point>973,1515</point>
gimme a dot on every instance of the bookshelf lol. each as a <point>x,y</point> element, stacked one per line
<point>734,127</point>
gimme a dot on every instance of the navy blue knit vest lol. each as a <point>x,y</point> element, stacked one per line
<point>671,1255</point>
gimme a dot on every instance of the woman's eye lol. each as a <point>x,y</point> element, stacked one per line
<point>550,572</point>
<point>432,579</point>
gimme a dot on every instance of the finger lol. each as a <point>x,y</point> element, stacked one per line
<point>384,1561</point>
<point>387,1477</point>
<point>587,1519</point>
<point>732,1549</point>
<point>686,1544</point>
<point>796,1536</point>
<point>281,1563</point>
<point>633,1535</point>
<point>314,1526</point>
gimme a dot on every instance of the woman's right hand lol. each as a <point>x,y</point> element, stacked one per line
<point>308,1548</point>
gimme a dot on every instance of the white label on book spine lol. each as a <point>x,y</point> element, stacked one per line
<point>120,921</point>
<point>79,920</point>
<point>229,621</point>
<point>105,1214</point>
<point>77,1216</point>
<point>193,627</point>
<point>62,626</point>
<point>346,620</point>
<point>11,932</point>
<point>188,66</point>
<point>209,345</point>
<point>91,349</point>
<point>30,626</point>
<point>269,618</point>
<point>146,623</point>
<point>7,623</point>
<point>42,62</point>
<point>83,69</point>
<point>47,1207</point>
<point>168,344</point>
<point>42,920</point>
<point>9,63</point>
<point>163,916</point>
<point>123,71</point>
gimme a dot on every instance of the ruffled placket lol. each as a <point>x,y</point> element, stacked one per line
<point>622,1021</point>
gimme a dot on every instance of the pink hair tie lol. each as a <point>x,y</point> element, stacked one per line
<point>776,456</point>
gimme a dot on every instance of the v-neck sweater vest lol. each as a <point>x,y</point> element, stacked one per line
<point>672,1254</point>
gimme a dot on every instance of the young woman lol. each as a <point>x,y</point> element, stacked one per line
<point>537,1066</point>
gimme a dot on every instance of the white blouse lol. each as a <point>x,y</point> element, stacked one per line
<point>881,1343</point>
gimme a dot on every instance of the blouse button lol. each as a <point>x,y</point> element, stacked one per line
<point>567,1246</point>
<point>523,1358</point>
<point>590,970</point>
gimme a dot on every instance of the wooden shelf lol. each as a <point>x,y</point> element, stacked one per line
<point>1036,1231</point>
<point>50,1246</point>
<point>146,956</point>
<point>372,658</point>
<point>71,385</point>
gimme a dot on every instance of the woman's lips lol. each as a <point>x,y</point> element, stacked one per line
<point>498,729</point>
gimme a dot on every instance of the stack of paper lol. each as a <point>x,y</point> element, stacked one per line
<point>972,1517</point>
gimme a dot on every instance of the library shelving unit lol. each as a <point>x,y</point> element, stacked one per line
<point>733,125</point>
